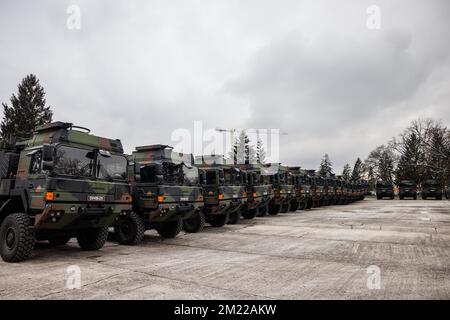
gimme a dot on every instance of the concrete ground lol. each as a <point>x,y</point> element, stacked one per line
<point>326,253</point>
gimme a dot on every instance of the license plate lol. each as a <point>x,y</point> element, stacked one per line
<point>184,198</point>
<point>235,195</point>
<point>265,193</point>
<point>95,198</point>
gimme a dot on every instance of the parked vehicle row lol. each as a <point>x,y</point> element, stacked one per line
<point>64,182</point>
<point>409,189</point>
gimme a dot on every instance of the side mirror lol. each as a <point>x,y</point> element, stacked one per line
<point>47,165</point>
<point>48,152</point>
<point>137,171</point>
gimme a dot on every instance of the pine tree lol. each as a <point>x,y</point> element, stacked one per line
<point>326,166</point>
<point>260,152</point>
<point>242,151</point>
<point>410,165</point>
<point>357,170</point>
<point>346,173</point>
<point>27,110</point>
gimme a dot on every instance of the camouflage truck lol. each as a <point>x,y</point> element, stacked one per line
<point>407,188</point>
<point>432,189</point>
<point>339,190</point>
<point>302,189</point>
<point>223,189</point>
<point>61,183</point>
<point>283,187</point>
<point>317,186</point>
<point>384,189</point>
<point>328,191</point>
<point>165,192</point>
<point>259,191</point>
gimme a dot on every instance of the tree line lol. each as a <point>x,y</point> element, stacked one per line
<point>421,152</point>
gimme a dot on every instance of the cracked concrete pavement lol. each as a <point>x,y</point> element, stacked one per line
<point>322,253</point>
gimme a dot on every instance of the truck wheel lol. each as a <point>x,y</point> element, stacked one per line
<point>285,207</point>
<point>309,204</point>
<point>234,217</point>
<point>92,239</point>
<point>249,213</point>
<point>170,229</point>
<point>415,197</point>
<point>439,198</point>
<point>218,220</point>
<point>401,197</point>
<point>194,224</point>
<point>60,239</point>
<point>424,198</point>
<point>129,229</point>
<point>17,238</point>
<point>263,210</point>
<point>378,198</point>
<point>294,206</point>
<point>392,197</point>
<point>274,210</point>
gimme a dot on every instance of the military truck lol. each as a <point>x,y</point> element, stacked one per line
<point>283,187</point>
<point>165,191</point>
<point>302,197</point>
<point>329,195</point>
<point>61,183</point>
<point>385,189</point>
<point>407,188</point>
<point>259,191</point>
<point>339,190</point>
<point>223,188</point>
<point>317,187</point>
<point>432,189</point>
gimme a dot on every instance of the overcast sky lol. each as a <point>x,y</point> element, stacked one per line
<point>137,70</point>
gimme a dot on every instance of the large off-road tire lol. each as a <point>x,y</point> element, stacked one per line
<point>234,217</point>
<point>294,206</point>
<point>274,210</point>
<point>17,238</point>
<point>263,210</point>
<point>392,197</point>
<point>401,197</point>
<point>439,198</point>
<point>424,197</point>
<point>170,229</point>
<point>218,220</point>
<point>249,213</point>
<point>92,239</point>
<point>415,197</point>
<point>60,239</point>
<point>195,224</point>
<point>309,204</point>
<point>285,207</point>
<point>129,229</point>
<point>378,198</point>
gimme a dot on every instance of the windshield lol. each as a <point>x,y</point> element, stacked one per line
<point>431,183</point>
<point>73,161</point>
<point>190,175</point>
<point>407,183</point>
<point>383,184</point>
<point>78,162</point>
<point>111,167</point>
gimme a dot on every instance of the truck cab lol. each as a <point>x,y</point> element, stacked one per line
<point>223,188</point>
<point>63,182</point>
<point>385,189</point>
<point>259,191</point>
<point>432,189</point>
<point>407,188</point>
<point>165,190</point>
<point>283,187</point>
